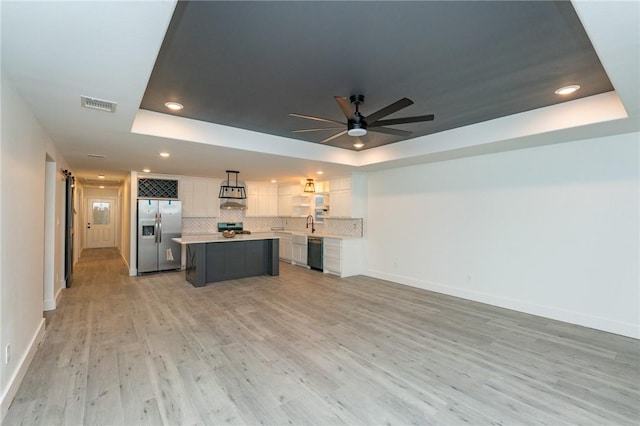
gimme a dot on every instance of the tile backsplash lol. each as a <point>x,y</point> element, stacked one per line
<point>207,225</point>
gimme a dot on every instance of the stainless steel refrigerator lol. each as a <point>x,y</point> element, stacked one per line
<point>158,222</point>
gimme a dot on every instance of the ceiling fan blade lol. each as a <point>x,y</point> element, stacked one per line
<point>311,117</point>
<point>405,120</point>
<point>394,132</point>
<point>315,130</point>
<point>337,135</point>
<point>388,110</point>
<point>345,106</point>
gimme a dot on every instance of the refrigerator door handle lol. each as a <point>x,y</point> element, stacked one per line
<point>159,222</point>
<point>155,230</point>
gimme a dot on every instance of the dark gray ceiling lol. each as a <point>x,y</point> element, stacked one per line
<point>250,64</point>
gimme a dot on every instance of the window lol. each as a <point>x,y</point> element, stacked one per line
<point>101,213</point>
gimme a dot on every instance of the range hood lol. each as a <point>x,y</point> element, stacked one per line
<point>233,205</point>
<point>232,193</point>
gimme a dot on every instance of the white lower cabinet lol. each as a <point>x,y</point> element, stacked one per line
<point>285,246</point>
<point>343,257</point>
<point>299,249</point>
<point>331,256</point>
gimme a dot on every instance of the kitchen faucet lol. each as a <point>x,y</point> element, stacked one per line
<point>312,228</point>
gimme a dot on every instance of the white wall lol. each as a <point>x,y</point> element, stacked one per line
<point>22,214</point>
<point>551,231</point>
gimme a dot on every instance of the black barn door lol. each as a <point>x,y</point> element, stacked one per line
<point>68,220</point>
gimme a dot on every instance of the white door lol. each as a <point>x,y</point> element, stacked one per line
<point>100,222</point>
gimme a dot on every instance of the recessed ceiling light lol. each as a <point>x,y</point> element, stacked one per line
<point>319,172</point>
<point>100,176</point>
<point>175,106</point>
<point>567,90</point>
<point>101,186</point>
<point>164,154</point>
<point>146,170</point>
<point>358,145</point>
<point>273,181</point>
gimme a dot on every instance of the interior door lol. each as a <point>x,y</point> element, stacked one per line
<point>100,223</point>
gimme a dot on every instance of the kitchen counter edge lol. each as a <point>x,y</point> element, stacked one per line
<point>217,238</point>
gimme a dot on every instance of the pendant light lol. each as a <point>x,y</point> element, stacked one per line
<point>309,186</point>
<point>229,190</point>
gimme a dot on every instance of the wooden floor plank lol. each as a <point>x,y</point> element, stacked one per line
<point>309,348</point>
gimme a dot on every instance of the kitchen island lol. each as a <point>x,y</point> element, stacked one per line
<point>214,258</point>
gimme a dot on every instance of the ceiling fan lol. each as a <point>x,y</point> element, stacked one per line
<point>358,124</point>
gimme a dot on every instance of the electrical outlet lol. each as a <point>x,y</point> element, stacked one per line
<point>7,354</point>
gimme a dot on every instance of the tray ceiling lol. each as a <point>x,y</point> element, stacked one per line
<point>250,64</point>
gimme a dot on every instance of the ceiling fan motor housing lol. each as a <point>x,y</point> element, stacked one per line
<point>356,99</point>
<point>357,126</point>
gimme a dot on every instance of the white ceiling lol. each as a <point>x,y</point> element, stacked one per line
<point>55,52</point>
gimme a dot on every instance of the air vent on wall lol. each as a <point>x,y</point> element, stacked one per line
<point>100,104</point>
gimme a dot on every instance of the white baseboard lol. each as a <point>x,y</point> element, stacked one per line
<point>572,317</point>
<point>18,375</point>
<point>58,295</point>
<point>51,304</point>
<point>132,270</point>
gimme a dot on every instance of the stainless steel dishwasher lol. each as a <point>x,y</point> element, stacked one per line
<point>314,253</point>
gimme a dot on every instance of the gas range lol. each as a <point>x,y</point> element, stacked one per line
<point>232,226</point>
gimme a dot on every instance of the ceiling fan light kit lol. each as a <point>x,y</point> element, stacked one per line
<point>357,131</point>
<point>359,125</point>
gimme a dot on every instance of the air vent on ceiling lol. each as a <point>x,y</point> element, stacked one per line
<point>100,104</point>
<point>101,156</point>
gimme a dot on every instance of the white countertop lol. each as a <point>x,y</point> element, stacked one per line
<point>259,235</point>
<point>318,234</point>
<point>218,238</point>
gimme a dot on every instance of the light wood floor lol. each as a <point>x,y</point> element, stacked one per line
<point>307,348</point>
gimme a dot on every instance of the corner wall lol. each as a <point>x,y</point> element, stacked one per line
<point>552,231</point>
<point>125,238</point>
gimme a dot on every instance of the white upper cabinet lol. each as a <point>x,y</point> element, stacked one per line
<point>284,200</point>
<point>348,196</point>
<point>262,199</point>
<point>199,197</point>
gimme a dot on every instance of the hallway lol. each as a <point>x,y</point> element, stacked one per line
<point>310,348</point>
